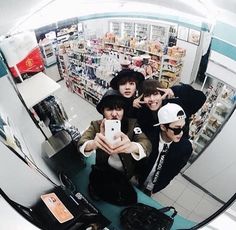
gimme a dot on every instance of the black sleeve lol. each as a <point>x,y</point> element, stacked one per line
<point>191,99</point>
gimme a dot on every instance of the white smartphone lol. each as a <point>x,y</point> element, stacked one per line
<point>111,128</point>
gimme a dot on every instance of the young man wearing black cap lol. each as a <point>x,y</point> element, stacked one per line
<point>170,153</point>
<point>131,143</point>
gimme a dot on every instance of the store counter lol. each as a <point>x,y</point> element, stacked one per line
<point>80,179</point>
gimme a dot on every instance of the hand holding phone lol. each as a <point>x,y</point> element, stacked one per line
<point>112,127</point>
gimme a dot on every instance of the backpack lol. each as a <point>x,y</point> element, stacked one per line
<point>144,217</point>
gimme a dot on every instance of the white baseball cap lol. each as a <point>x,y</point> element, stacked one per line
<point>169,113</point>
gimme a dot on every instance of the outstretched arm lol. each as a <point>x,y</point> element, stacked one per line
<point>191,98</point>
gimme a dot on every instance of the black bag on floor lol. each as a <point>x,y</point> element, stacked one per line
<point>59,209</point>
<point>143,217</point>
<point>111,185</point>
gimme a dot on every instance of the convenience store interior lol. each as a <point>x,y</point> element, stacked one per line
<point>192,201</point>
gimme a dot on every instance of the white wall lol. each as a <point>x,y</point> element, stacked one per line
<point>227,63</point>
<point>95,28</point>
<point>21,183</point>
<point>17,179</point>
<point>215,169</point>
<point>188,61</point>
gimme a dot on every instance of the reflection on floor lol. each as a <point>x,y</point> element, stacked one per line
<point>190,202</point>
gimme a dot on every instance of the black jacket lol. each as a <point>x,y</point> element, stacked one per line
<point>127,160</point>
<point>176,158</point>
<point>190,99</point>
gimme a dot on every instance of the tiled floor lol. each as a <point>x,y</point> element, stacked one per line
<point>190,202</point>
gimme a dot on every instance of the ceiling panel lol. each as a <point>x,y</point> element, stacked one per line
<point>12,11</point>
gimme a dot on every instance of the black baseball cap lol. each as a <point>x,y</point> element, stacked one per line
<point>112,98</point>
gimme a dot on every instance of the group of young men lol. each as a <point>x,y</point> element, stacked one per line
<point>153,144</point>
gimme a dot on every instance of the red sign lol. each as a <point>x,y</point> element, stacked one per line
<point>32,63</point>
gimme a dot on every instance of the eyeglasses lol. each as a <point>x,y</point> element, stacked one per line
<point>177,131</point>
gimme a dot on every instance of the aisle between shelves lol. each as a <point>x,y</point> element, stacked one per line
<point>88,71</point>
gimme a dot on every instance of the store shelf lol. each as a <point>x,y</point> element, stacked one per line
<point>151,53</point>
<point>37,88</point>
<point>210,119</point>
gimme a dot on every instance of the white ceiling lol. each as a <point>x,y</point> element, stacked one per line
<point>14,11</point>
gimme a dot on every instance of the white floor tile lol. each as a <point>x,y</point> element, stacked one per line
<point>162,199</point>
<point>196,189</point>
<point>195,218</point>
<point>180,178</point>
<point>189,199</point>
<point>212,201</point>
<point>174,189</point>
<point>52,72</point>
<point>80,113</point>
<point>205,208</point>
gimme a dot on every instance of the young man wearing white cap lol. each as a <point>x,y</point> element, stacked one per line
<point>169,155</point>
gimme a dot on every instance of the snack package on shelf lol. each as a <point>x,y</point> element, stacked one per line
<point>132,43</point>
<point>109,37</point>
<point>176,52</point>
<point>155,47</point>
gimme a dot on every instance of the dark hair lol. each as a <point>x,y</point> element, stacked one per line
<point>127,78</point>
<point>114,103</point>
<point>126,75</point>
<point>150,86</point>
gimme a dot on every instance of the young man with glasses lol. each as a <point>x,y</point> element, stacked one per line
<point>170,153</point>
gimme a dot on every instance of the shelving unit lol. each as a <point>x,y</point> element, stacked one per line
<point>171,70</point>
<point>48,52</point>
<point>150,39</point>
<point>63,63</point>
<point>81,78</point>
<point>88,71</point>
<point>172,63</point>
<point>128,53</point>
<point>62,33</point>
<point>208,121</point>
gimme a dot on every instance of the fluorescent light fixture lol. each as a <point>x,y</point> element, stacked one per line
<point>50,11</point>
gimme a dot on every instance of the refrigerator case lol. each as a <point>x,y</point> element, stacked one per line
<point>209,120</point>
<point>48,53</point>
